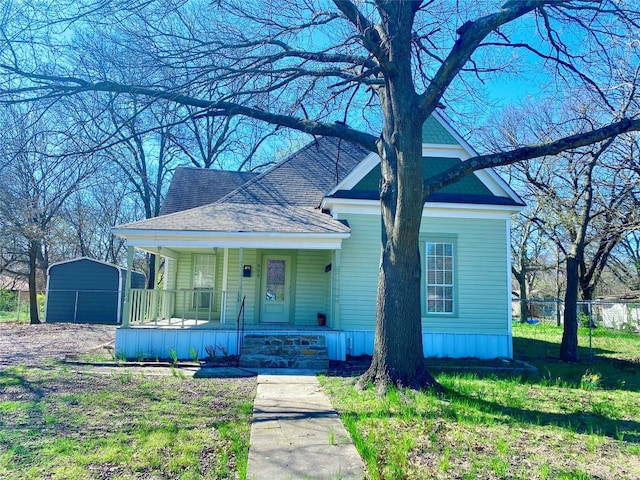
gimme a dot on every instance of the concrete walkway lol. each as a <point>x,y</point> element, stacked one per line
<point>296,434</point>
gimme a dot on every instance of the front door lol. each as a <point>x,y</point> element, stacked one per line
<point>276,289</point>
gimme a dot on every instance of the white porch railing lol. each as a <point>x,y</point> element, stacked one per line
<point>178,308</point>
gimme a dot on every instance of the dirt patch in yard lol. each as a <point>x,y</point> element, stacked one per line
<point>84,421</point>
<point>38,345</point>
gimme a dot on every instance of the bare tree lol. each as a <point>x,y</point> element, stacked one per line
<point>304,65</point>
<point>227,143</point>
<point>87,218</point>
<point>626,260</point>
<point>529,246</point>
<point>585,199</point>
<point>38,178</point>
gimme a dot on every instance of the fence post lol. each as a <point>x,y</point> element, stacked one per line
<point>590,332</point>
<point>75,308</point>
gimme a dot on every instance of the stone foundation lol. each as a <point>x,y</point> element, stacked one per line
<point>285,351</point>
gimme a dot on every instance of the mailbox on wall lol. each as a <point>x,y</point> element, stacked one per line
<point>246,271</point>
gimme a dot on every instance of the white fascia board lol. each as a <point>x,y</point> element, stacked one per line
<point>342,207</point>
<point>494,179</point>
<point>444,151</point>
<point>358,173</point>
<point>163,238</point>
<point>445,124</point>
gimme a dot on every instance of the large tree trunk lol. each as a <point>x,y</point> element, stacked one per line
<point>34,251</point>
<point>569,346</point>
<point>398,357</point>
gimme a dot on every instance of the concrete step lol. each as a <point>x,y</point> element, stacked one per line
<point>285,351</point>
<point>275,361</point>
<point>305,339</point>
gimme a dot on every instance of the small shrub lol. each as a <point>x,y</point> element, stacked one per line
<point>193,353</point>
<point>174,355</point>
<point>213,350</point>
<point>8,301</point>
<point>590,381</point>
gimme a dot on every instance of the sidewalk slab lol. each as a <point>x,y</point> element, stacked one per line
<point>296,433</point>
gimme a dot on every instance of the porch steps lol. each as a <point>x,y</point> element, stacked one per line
<point>285,351</point>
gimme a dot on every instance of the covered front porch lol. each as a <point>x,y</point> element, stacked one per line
<point>215,287</point>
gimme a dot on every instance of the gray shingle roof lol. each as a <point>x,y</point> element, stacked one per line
<point>283,199</point>
<point>302,178</point>
<point>193,187</point>
<point>239,217</point>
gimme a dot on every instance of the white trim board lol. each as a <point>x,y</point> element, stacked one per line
<point>176,239</point>
<point>344,206</point>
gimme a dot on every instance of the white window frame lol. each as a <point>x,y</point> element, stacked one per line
<point>439,275</point>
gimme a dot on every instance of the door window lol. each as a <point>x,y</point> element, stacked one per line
<point>275,280</point>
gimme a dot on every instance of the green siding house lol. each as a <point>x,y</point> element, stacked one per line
<point>271,252</point>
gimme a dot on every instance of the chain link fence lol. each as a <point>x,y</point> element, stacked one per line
<point>14,306</point>
<point>615,315</point>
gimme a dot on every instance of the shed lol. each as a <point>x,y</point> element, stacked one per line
<point>84,290</point>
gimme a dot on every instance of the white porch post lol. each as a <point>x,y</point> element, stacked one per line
<point>240,261</point>
<point>335,290</point>
<point>127,289</point>
<point>165,274</point>
<point>225,279</point>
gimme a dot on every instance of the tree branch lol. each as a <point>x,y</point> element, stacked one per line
<point>209,107</point>
<point>471,35</point>
<point>525,153</point>
<point>369,34</point>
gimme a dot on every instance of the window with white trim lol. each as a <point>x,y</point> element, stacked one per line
<point>439,277</point>
<point>204,268</point>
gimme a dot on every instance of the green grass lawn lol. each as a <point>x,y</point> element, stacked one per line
<point>23,317</point>
<point>59,424</point>
<point>568,421</point>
